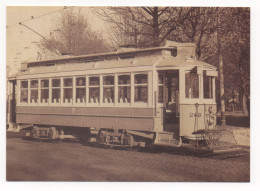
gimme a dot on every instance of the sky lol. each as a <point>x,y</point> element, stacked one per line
<point>22,43</point>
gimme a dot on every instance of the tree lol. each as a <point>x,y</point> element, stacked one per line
<point>237,53</point>
<point>197,28</point>
<point>221,35</point>
<point>73,36</point>
<point>146,26</point>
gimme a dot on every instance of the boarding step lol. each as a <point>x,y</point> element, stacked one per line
<point>167,138</point>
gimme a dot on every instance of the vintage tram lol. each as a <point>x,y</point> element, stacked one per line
<point>161,95</point>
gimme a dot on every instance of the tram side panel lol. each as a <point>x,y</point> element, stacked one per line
<point>196,117</point>
<point>141,119</point>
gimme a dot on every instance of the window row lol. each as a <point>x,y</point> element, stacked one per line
<point>62,90</point>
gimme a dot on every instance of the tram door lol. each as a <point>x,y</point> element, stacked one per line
<point>171,100</point>
<point>11,102</point>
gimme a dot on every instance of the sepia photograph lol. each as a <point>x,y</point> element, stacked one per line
<point>128,93</point>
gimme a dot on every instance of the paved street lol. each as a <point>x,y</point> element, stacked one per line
<point>72,161</point>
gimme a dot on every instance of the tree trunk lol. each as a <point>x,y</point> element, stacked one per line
<point>155,27</point>
<point>221,78</point>
<point>244,103</point>
<point>221,84</point>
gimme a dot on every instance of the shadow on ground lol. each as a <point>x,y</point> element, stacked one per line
<point>238,121</point>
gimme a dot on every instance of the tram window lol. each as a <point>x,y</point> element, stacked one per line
<point>140,78</point>
<point>67,96</point>
<point>124,90</point>
<point>34,84</point>
<point>56,83</point>
<point>81,81</point>
<point>24,84</point>
<point>141,94</point>
<point>24,92</point>
<point>108,80</point>
<point>191,85</point>
<point>67,82</point>
<point>55,95</point>
<point>44,83</point>
<point>207,87</point>
<point>94,89</point>
<point>124,79</point>
<point>108,89</point>
<point>80,89</point>
<point>34,91</point>
<point>141,88</point>
<point>24,96</point>
<point>44,91</point>
<point>93,81</point>
<point>160,88</point>
<point>55,91</point>
<point>108,95</point>
<point>94,95</point>
<point>44,95</point>
<point>67,90</point>
<point>34,96</point>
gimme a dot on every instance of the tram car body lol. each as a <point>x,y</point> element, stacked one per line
<point>160,95</point>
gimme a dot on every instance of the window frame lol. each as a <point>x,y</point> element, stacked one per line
<point>113,86</point>
<point>44,88</point>
<point>66,88</point>
<point>124,85</point>
<point>210,84</point>
<point>93,86</point>
<point>35,89</point>
<point>141,85</point>
<point>80,87</point>
<point>199,87</point>
<point>23,89</point>
<point>52,88</point>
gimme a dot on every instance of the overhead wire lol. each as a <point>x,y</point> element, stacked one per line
<point>33,18</point>
<point>36,17</point>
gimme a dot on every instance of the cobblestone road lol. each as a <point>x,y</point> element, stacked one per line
<point>71,161</point>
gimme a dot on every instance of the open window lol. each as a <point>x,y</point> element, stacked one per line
<point>24,92</point>
<point>80,90</point>
<point>44,91</point>
<point>141,88</point>
<point>124,90</point>
<point>67,90</point>
<point>108,89</point>
<point>94,89</point>
<point>207,87</point>
<point>191,84</point>
<point>34,91</point>
<point>55,91</point>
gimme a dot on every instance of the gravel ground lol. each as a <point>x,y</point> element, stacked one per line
<point>29,160</point>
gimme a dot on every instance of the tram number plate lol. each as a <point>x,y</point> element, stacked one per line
<point>194,114</point>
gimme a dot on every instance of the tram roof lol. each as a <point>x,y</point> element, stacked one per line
<point>159,62</point>
<point>131,57</point>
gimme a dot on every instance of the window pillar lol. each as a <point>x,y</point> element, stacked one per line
<point>87,92</point>
<point>116,89</point>
<point>50,91</point>
<point>39,91</point>
<point>61,90</point>
<point>182,85</point>
<point>100,90</point>
<point>73,90</point>
<point>29,91</point>
<point>132,89</point>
